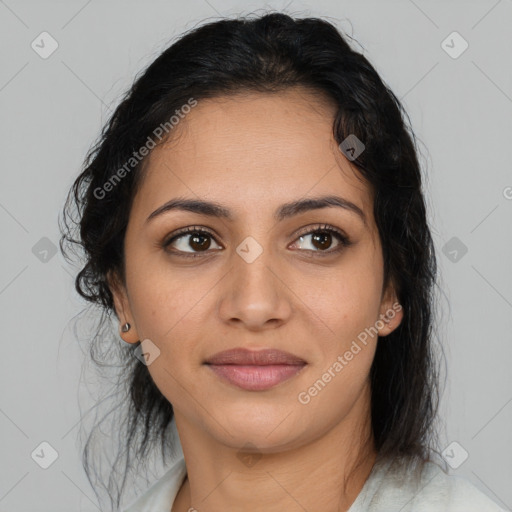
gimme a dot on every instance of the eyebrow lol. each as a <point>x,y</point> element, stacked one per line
<point>287,210</point>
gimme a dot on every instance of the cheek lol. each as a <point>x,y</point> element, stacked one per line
<point>171,313</point>
<point>349,345</point>
<point>341,303</point>
<point>159,295</point>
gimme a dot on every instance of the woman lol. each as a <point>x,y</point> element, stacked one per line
<point>253,214</point>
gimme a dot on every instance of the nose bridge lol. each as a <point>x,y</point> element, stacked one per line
<point>252,262</point>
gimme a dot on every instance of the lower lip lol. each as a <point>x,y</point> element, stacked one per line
<point>256,377</point>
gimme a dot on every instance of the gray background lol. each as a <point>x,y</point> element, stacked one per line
<point>52,110</point>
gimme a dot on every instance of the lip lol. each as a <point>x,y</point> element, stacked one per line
<point>244,356</point>
<point>255,370</point>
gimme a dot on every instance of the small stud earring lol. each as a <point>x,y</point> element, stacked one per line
<point>126,327</point>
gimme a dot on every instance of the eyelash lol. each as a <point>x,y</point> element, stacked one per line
<point>324,228</point>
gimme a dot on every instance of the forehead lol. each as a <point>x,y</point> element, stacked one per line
<point>266,148</point>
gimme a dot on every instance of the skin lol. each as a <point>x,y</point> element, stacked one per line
<point>252,153</point>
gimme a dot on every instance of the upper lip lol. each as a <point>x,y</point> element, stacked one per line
<point>243,356</point>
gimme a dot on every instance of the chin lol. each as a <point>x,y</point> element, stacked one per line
<point>270,429</point>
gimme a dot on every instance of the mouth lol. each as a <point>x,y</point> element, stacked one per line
<point>255,370</point>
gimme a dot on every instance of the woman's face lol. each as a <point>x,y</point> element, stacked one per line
<point>259,280</point>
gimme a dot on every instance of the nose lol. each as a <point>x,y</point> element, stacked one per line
<point>254,294</point>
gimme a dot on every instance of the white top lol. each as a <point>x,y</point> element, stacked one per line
<point>385,490</point>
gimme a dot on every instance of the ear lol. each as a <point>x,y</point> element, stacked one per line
<point>122,307</point>
<point>391,311</point>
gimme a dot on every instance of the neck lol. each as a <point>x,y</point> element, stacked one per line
<point>325,474</point>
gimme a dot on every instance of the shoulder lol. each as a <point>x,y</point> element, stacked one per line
<point>438,490</point>
<point>429,490</point>
<point>161,494</point>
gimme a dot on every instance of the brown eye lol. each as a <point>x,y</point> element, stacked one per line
<point>322,239</point>
<point>199,241</point>
<point>190,241</point>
